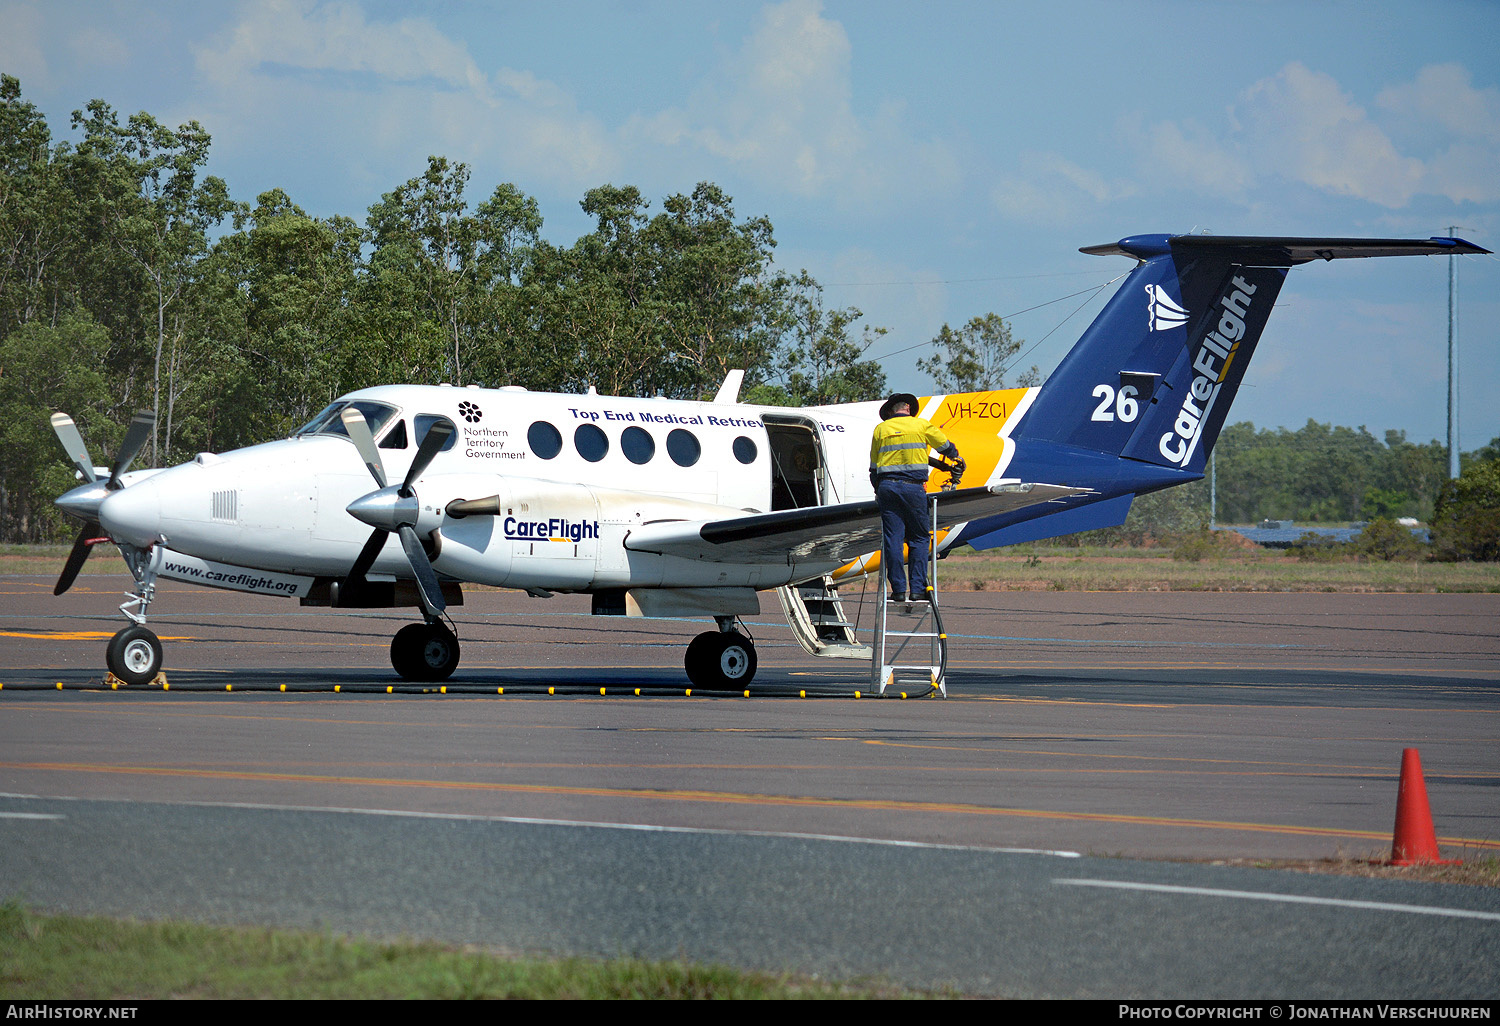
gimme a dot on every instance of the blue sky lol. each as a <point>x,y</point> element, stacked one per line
<point>927,162</point>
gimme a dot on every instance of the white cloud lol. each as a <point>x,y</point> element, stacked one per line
<point>1050,189</point>
<point>21,46</point>
<point>1444,94</point>
<point>341,82</point>
<point>1188,156</point>
<point>782,110</point>
<point>1301,125</point>
<point>94,47</point>
<point>1460,123</point>
<point>336,37</point>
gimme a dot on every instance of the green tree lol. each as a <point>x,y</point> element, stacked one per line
<point>597,315</point>
<point>44,368</point>
<point>821,364</point>
<point>455,270</point>
<point>1385,539</point>
<point>1466,520</point>
<point>663,304</point>
<point>974,358</point>
<point>37,218</point>
<point>154,209</point>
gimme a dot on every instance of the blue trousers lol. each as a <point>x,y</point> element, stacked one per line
<point>904,517</point>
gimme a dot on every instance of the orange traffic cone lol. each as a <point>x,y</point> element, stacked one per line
<point>1415,841</point>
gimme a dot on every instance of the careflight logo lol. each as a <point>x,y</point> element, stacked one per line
<point>1212,366</point>
<point>1163,313</point>
<point>557,529</point>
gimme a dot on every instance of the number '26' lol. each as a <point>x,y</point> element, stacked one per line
<point>1112,405</point>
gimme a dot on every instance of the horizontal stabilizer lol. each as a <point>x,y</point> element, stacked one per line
<point>1282,251</point>
<point>823,533</point>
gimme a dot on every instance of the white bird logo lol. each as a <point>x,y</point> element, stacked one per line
<point>1164,312</point>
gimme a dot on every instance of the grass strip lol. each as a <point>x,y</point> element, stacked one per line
<point>61,957</point>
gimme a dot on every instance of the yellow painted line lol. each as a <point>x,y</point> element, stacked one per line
<point>732,798</point>
<point>74,635</point>
<point>1315,768</point>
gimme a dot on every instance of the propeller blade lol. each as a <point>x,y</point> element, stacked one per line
<point>460,508</point>
<point>367,556</point>
<point>72,441</point>
<point>141,426</point>
<point>81,547</point>
<point>437,437</point>
<point>359,433</point>
<point>427,582</point>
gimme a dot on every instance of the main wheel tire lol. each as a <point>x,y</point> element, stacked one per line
<point>424,652</point>
<point>721,661</point>
<point>134,655</point>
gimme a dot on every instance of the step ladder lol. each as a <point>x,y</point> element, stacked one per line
<point>816,615</point>
<point>915,654</point>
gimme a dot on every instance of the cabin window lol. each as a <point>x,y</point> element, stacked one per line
<point>683,447</point>
<point>591,443</point>
<point>637,445</point>
<point>423,424</point>
<point>745,449</point>
<point>544,439</point>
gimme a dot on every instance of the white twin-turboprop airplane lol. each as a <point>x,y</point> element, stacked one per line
<point>394,496</point>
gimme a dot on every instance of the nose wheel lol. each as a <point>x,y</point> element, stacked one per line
<point>134,655</point>
<point>424,652</point>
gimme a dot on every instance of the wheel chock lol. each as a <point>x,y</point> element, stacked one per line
<point>115,683</point>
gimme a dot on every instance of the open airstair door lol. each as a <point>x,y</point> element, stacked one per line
<point>799,479</point>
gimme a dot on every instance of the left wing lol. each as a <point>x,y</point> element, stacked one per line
<point>819,533</point>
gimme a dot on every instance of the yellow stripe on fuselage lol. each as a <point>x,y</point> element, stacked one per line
<point>979,423</point>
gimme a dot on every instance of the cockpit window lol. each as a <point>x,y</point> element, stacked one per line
<point>329,423</point>
<point>395,438</point>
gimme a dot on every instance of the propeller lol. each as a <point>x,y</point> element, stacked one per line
<point>394,510</point>
<point>83,502</point>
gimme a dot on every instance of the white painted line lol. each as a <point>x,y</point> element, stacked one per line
<point>1293,899</point>
<point>642,827</point>
<point>30,815</point>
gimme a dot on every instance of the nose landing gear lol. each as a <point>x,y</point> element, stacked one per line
<point>134,655</point>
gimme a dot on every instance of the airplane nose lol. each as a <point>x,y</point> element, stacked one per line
<point>83,502</point>
<point>133,514</point>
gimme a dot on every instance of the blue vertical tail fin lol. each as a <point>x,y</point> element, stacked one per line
<point>1152,378</point>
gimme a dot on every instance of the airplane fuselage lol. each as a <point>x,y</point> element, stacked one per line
<point>573,476</point>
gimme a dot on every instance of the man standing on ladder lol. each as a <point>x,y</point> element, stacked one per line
<point>898,472</point>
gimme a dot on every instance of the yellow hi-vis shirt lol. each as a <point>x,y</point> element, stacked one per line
<point>899,446</point>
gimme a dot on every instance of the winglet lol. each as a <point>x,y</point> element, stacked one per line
<point>729,392</point>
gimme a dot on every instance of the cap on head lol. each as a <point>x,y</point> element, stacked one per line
<point>888,409</point>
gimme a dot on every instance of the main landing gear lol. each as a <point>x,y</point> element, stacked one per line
<point>721,660</point>
<point>425,652</point>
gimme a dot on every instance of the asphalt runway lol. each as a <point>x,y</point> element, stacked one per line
<point>1082,731</point>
